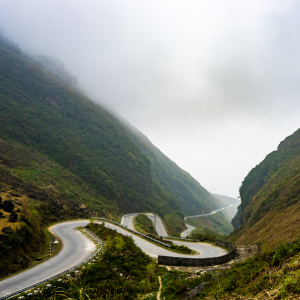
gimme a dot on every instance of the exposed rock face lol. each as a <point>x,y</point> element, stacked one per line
<point>18,201</point>
<point>8,206</point>
<point>13,217</point>
<point>195,291</point>
<point>6,230</point>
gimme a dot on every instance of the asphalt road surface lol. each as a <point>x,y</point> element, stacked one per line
<point>204,249</point>
<point>188,231</point>
<point>127,220</point>
<point>77,248</point>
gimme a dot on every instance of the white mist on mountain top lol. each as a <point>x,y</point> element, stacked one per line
<point>213,84</point>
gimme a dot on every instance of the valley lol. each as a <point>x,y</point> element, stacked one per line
<point>67,162</point>
<point>77,248</point>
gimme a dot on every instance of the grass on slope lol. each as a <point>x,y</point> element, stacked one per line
<point>275,227</point>
<point>28,240</point>
<point>144,224</point>
<point>206,235</point>
<point>271,275</point>
<point>192,197</point>
<point>37,169</point>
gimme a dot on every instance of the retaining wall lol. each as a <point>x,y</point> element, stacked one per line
<point>199,262</point>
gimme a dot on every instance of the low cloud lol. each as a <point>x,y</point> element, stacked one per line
<point>214,85</point>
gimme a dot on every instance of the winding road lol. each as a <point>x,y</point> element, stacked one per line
<point>188,231</point>
<point>212,213</point>
<point>191,228</point>
<point>77,248</point>
<point>205,250</point>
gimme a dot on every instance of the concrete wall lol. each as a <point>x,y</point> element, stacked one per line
<point>199,262</point>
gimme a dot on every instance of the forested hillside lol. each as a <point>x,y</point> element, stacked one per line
<point>64,135</point>
<point>192,197</point>
<point>270,194</point>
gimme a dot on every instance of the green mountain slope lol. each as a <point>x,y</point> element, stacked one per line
<point>218,223</point>
<point>270,194</point>
<point>192,197</point>
<point>45,115</point>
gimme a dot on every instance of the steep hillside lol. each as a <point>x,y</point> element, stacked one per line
<point>270,194</point>
<point>23,236</point>
<point>192,197</point>
<point>68,131</point>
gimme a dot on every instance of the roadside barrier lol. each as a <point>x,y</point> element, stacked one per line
<point>178,238</point>
<point>57,275</point>
<point>199,262</point>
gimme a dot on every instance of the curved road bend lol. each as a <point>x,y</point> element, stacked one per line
<point>160,228</point>
<point>188,231</point>
<point>191,228</point>
<point>206,250</point>
<point>77,248</point>
<point>127,220</point>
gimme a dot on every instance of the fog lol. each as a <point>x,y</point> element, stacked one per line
<point>213,84</point>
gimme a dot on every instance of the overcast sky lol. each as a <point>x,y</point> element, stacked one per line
<point>213,84</point>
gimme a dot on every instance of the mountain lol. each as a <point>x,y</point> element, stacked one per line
<point>48,117</point>
<point>53,136</point>
<point>270,198</point>
<point>192,197</point>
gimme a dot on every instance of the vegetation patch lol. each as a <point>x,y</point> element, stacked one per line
<point>218,222</point>
<point>26,240</point>
<point>206,235</point>
<point>144,224</point>
<point>123,271</point>
<point>270,275</point>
